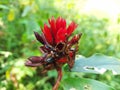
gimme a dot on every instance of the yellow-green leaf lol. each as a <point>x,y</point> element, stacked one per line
<point>11,15</point>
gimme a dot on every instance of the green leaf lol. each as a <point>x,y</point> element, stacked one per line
<point>97,64</point>
<point>4,7</point>
<point>84,84</point>
<point>26,10</point>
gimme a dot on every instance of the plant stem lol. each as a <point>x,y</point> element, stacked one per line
<point>59,77</point>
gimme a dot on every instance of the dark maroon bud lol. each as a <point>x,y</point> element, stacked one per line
<point>30,64</point>
<point>75,39</point>
<point>27,63</point>
<point>44,39</point>
<point>39,38</point>
<point>36,59</point>
<point>60,46</point>
<point>43,49</point>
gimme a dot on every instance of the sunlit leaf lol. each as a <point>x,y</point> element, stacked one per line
<point>84,84</point>
<point>26,10</point>
<point>3,7</point>
<point>7,74</point>
<point>21,70</point>
<point>5,53</point>
<point>11,15</point>
<point>97,63</point>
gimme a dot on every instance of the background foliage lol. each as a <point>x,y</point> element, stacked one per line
<point>18,20</point>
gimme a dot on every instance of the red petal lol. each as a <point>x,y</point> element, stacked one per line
<point>48,34</point>
<point>61,35</point>
<point>71,28</point>
<point>71,53</point>
<point>63,25</point>
<point>53,26</point>
<point>60,23</point>
<point>62,60</point>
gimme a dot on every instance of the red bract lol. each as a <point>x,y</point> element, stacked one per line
<point>57,49</point>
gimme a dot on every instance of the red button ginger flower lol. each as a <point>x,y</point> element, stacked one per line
<point>57,49</point>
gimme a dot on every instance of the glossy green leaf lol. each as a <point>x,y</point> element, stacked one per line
<point>98,64</point>
<point>84,84</point>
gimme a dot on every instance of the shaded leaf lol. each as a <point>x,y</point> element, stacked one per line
<point>97,63</point>
<point>84,84</point>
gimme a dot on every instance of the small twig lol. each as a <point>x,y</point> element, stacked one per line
<point>59,77</point>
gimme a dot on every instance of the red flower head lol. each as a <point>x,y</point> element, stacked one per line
<point>57,48</point>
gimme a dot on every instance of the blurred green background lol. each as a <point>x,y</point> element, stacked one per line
<point>99,21</point>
